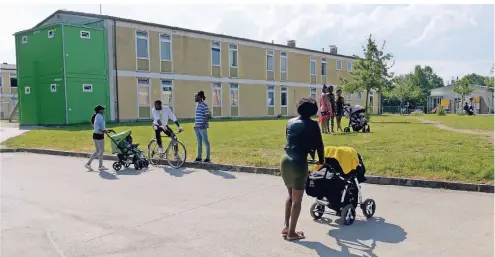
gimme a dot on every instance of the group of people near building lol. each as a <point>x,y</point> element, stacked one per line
<point>331,108</point>
<point>161,115</point>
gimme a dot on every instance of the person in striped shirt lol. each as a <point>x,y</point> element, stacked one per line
<point>201,126</point>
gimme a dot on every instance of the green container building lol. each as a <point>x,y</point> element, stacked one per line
<point>62,73</point>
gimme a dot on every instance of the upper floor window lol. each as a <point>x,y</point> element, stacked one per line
<point>166,47</point>
<point>323,66</point>
<point>233,55</point>
<point>270,64</point>
<point>283,62</point>
<point>339,64</point>
<point>349,66</point>
<point>142,44</point>
<point>312,65</point>
<point>358,96</point>
<point>215,53</point>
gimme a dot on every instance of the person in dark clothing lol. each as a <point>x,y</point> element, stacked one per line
<point>331,96</point>
<point>303,137</point>
<point>339,105</point>
<point>467,109</point>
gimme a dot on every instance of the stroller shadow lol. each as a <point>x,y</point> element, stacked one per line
<point>107,175</point>
<point>374,230</point>
<point>222,174</point>
<point>129,172</point>
<point>323,250</point>
<point>177,172</point>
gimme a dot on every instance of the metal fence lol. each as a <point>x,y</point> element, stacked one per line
<point>7,106</point>
<point>396,109</point>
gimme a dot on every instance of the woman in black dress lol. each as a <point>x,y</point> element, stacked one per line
<point>339,106</point>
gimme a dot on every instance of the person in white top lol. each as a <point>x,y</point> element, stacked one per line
<point>161,115</point>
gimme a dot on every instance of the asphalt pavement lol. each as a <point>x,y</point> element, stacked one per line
<point>50,206</point>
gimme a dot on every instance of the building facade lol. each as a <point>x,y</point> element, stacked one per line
<point>240,77</point>
<point>481,99</point>
<point>8,90</point>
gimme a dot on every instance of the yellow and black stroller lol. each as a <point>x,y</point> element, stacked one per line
<point>336,185</point>
<point>126,156</point>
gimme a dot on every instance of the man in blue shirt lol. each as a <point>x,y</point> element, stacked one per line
<point>201,125</point>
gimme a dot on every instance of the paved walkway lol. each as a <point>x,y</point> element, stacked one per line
<point>8,130</point>
<point>52,207</point>
<point>464,131</point>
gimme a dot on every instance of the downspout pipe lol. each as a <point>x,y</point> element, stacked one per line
<point>117,113</point>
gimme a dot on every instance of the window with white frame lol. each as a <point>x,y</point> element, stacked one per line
<point>339,64</point>
<point>270,64</point>
<point>215,53</point>
<point>312,93</point>
<point>24,39</point>
<point>234,99</point>
<point>283,100</point>
<point>271,100</point>
<point>0,79</point>
<point>13,80</point>
<point>85,34</point>
<point>217,95</point>
<point>323,66</point>
<point>51,33</point>
<point>142,45</point>
<point>165,47</point>
<point>233,55</point>
<point>283,64</point>
<point>349,66</point>
<point>358,96</point>
<point>312,65</point>
<point>349,96</point>
<point>167,95</point>
<point>234,94</point>
<point>144,101</point>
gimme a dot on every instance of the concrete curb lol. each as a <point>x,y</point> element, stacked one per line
<point>378,180</point>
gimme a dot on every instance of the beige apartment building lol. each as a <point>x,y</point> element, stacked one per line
<point>8,89</point>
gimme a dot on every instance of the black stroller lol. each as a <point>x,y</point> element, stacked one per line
<point>357,121</point>
<point>126,156</point>
<point>339,189</point>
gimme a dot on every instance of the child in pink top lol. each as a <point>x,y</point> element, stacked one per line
<point>325,110</point>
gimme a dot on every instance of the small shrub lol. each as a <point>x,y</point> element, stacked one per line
<point>460,112</point>
<point>417,112</point>
<point>441,112</point>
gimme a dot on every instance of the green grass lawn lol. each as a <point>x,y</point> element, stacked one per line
<point>464,122</point>
<point>397,146</point>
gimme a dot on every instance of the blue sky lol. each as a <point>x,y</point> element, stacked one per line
<point>454,39</point>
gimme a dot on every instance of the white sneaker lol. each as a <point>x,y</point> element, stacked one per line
<point>102,168</point>
<point>160,150</point>
<point>87,166</point>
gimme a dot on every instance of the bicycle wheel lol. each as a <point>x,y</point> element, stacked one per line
<point>176,154</point>
<point>154,156</point>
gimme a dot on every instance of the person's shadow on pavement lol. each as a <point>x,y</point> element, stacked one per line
<point>222,174</point>
<point>177,172</point>
<point>374,229</point>
<point>323,250</point>
<point>108,176</point>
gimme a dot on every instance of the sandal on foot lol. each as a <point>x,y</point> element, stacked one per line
<point>300,235</point>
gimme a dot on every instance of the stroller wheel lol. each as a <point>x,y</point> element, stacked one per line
<point>146,163</point>
<point>127,165</point>
<point>317,211</point>
<point>348,214</point>
<point>138,165</point>
<point>368,207</point>
<point>117,166</point>
<point>347,130</point>
<point>368,129</point>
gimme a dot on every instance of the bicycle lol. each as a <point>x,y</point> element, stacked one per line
<point>174,147</point>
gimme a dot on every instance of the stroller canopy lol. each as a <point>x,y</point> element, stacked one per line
<point>346,156</point>
<point>117,140</point>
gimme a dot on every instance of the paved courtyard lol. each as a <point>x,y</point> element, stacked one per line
<point>50,206</point>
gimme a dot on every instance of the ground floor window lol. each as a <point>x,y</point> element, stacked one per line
<point>144,101</point>
<point>283,101</point>
<point>271,100</point>
<point>312,93</point>
<point>217,99</point>
<point>167,92</point>
<point>234,100</point>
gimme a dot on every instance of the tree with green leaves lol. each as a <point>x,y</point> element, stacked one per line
<point>476,79</point>
<point>426,79</point>
<point>462,87</point>
<point>370,72</point>
<point>404,89</point>
<point>489,79</point>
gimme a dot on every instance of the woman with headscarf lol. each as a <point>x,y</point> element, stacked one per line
<point>303,137</point>
<point>325,110</point>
